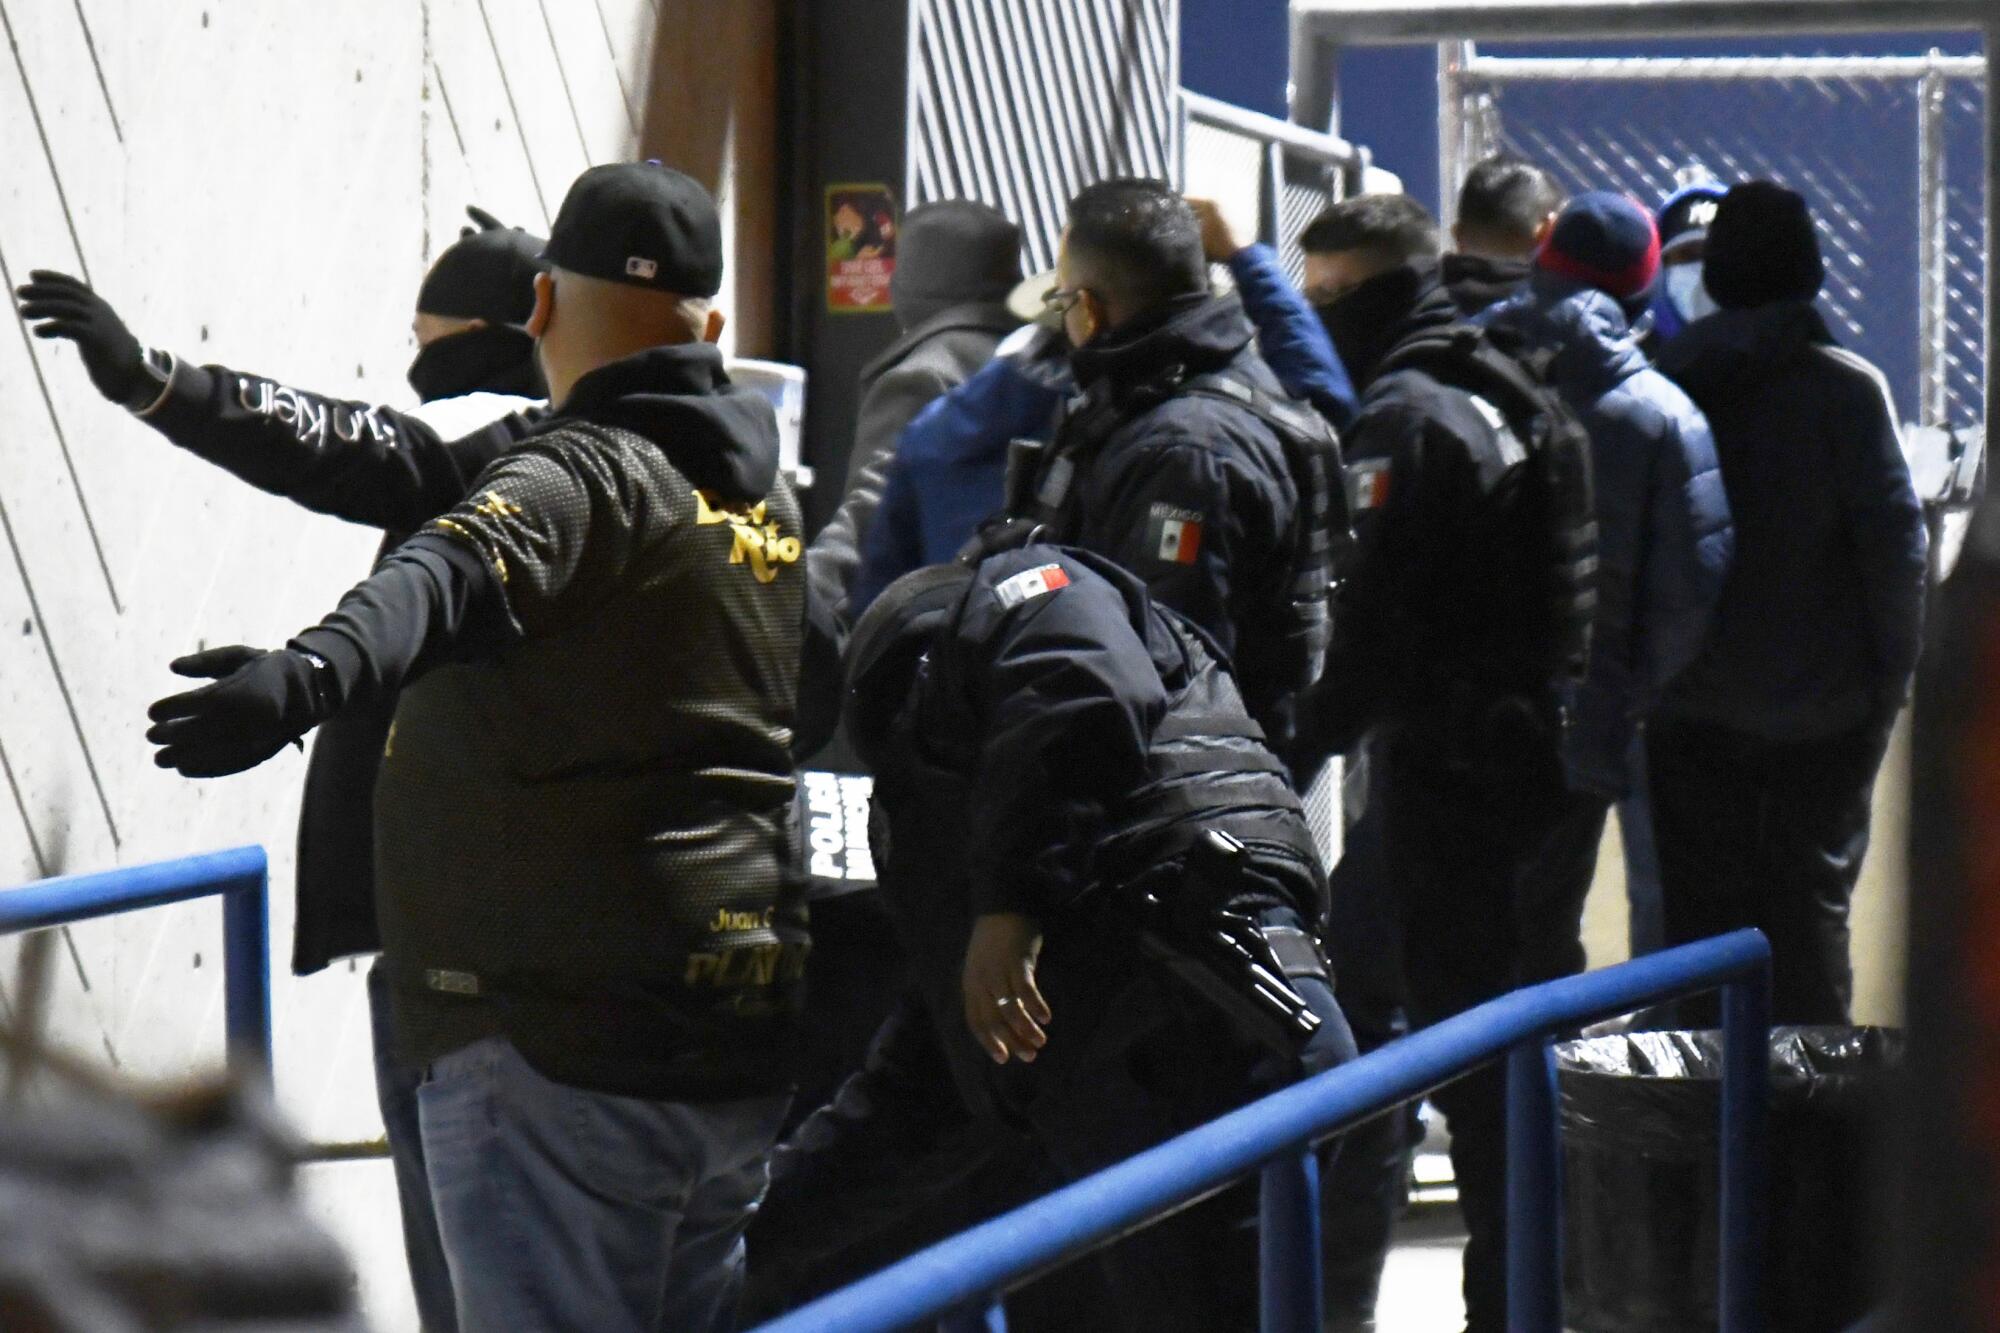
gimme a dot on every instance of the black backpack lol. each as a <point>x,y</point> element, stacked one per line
<point>1322,525</point>
<point>1299,611</point>
<point>1547,500</point>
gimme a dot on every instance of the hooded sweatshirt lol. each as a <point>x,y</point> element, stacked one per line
<point>582,818</point>
<point>1820,621</point>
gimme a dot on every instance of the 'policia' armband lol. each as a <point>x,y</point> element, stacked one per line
<point>1230,959</point>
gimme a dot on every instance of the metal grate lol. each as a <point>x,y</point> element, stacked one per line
<point>1889,151</point>
<point>1021,103</point>
<point>1292,173</point>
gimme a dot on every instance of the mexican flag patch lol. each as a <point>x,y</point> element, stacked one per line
<point>1030,584</point>
<point>1370,483</point>
<point>1173,535</point>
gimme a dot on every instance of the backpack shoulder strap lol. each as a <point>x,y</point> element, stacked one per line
<point>1464,357</point>
<point>1286,417</point>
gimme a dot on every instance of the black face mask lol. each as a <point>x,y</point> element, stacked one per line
<point>496,358</point>
<point>1365,321</point>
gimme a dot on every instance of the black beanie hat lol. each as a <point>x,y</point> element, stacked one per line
<point>1762,247</point>
<point>952,252</point>
<point>487,275</point>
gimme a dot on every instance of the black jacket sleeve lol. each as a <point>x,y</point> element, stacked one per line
<point>356,461</point>
<point>432,600</point>
<point>548,530</point>
<point>1885,525</point>
<point>1066,698</point>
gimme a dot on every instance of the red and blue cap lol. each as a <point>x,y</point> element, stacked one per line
<point>1604,240</point>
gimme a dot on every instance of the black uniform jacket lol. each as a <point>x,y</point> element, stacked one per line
<point>1066,738</point>
<point>1191,492</point>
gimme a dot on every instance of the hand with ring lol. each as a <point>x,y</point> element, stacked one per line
<point>1004,1009</point>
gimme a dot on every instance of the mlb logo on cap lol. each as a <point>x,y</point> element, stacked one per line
<point>642,224</point>
<point>1176,534</point>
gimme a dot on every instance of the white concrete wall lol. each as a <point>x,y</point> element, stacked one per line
<point>260,183</point>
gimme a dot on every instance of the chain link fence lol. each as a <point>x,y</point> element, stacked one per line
<point>1889,151</point>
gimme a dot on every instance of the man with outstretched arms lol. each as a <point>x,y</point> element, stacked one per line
<point>480,391</point>
<point>582,819</point>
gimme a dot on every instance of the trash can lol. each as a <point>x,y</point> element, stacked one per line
<point>1641,1178</point>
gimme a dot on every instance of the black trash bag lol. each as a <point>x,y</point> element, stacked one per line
<point>1641,1179</point>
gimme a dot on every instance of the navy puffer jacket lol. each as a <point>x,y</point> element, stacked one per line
<point>1665,538</point>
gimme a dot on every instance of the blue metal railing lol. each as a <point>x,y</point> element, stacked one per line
<point>240,876</point>
<point>960,1281</point>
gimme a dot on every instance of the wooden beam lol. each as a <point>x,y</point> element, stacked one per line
<point>712,111</point>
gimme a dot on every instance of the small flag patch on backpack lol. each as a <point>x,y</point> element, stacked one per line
<point>1173,535</point>
<point>1029,584</point>
<point>1370,481</point>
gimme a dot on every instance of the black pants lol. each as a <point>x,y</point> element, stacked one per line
<point>854,976</point>
<point>1761,833</point>
<point>1488,874</point>
<point>1363,1189</point>
<point>1151,1063</point>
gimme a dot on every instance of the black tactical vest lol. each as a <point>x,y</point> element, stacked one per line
<point>1284,633</point>
<point>1208,769</point>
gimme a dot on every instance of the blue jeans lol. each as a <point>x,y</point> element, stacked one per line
<point>564,1209</point>
<point>396,1093</point>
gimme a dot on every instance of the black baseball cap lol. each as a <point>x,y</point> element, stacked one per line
<point>487,275</point>
<point>639,223</point>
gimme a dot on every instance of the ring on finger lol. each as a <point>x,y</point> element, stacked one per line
<point>1003,1001</point>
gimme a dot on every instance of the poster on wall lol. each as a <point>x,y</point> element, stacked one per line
<point>860,248</point>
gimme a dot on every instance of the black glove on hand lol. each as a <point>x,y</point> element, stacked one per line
<point>59,306</point>
<point>260,702</point>
<point>486,221</point>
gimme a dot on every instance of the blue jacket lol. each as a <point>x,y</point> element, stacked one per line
<point>1822,615</point>
<point>1291,337</point>
<point>951,461</point>
<point>1665,538</point>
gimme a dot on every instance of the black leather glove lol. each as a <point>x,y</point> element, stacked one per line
<point>260,702</point>
<point>59,306</point>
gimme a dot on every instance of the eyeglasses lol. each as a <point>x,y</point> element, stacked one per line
<point>1062,300</point>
